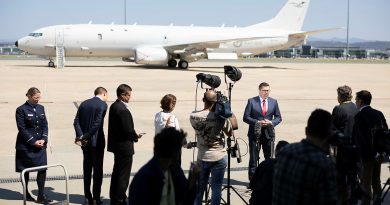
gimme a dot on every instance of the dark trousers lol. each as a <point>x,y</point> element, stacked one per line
<point>120,178</point>
<point>254,152</point>
<point>370,179</point>
<point>93,161</point>
<point>41,178</point>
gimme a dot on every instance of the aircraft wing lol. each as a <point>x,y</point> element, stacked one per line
<point>307,33</point>
<point>193,47</point>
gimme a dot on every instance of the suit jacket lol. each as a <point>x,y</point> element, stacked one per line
<point>365,120</point>
<point>89,121</point>
<point>253,113</point>
<point>32,126</point>
<point>121,133</point>
<point>343,117</point>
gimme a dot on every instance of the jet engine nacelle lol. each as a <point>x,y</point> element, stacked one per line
<point>148,55</point>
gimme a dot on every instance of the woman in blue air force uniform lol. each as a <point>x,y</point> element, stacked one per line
<point>31,141</point>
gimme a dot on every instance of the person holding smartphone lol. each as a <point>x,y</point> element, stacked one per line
<point>121,139</point>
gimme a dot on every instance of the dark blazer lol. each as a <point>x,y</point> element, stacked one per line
<point>121,133</point>
<point>89,121</point>
<point>32,126</point>
<point>253,113</point>
<point>343,117</point>
<point>147,185</point>
<point>365,120</point>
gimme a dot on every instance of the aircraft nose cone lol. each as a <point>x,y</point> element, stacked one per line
<point>16,43</point>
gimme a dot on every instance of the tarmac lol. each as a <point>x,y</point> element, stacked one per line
<point>300,87</point>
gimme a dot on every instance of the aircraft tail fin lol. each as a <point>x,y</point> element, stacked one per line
<point>290,17</point>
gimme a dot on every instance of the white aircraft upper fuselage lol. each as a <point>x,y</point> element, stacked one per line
<point>163,44</point>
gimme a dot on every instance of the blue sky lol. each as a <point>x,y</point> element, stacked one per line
<point>368,19</point>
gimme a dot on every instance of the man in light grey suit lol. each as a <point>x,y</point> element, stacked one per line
<point>262,114</point>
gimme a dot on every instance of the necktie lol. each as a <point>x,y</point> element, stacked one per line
<point>264,108</point>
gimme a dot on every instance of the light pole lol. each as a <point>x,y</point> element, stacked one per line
<point>125,10</point>
<point>347,31</point>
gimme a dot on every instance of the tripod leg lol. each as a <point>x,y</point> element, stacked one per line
<point>379,199</point>
<point>272,148</point>
<point>258,147</point>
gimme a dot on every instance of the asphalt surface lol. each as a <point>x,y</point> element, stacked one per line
<point>299,88</point>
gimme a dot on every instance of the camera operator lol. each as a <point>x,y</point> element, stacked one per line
<point>212,157</point>
<point>366,121</point>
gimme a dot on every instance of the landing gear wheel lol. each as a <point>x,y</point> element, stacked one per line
<point>172,63</point>
<point>51,64</point>
<point>183,64</point>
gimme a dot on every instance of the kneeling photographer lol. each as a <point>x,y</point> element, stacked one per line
<point>212,157</point>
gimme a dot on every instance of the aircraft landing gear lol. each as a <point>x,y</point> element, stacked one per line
<point>183,64</point>
<point>51,64</point>
<point>172,63</point>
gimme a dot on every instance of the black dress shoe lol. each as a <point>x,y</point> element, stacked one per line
<point>29,197</point>
<point>43,200</point>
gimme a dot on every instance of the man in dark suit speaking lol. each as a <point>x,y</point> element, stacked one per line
<point>262,114</point>
<point>88,125</point>
<point>121,138</point>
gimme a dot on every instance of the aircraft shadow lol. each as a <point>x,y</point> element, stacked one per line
<point>157,67</point>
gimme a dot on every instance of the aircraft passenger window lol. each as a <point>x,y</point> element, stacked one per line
<point>100,37</point>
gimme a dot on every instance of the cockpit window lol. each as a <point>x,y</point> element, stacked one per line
<point>35,34</point>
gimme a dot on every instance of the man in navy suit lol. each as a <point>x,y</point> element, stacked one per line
<point>88,125</point>
<point>262,114</point>
<point>366,121</point>
<point>121,139</point>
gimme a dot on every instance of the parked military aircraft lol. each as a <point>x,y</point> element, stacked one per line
<point>163,45</point>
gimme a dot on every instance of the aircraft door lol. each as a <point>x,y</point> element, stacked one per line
<point>60,37</point>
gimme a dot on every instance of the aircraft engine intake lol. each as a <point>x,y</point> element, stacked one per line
<point>151,56</point>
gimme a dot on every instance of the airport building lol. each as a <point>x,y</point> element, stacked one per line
<point>304,51</point>
<point>9,50</point>
<point>307,51</point>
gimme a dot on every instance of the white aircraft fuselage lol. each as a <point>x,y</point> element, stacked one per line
<point>90,40</point>
<point>162,45</point>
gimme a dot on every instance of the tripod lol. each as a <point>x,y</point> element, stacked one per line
<point>381,197</point>
<point>258,146</point>
<point>228,186</point>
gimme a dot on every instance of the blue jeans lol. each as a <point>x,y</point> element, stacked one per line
<point>217,170</point>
